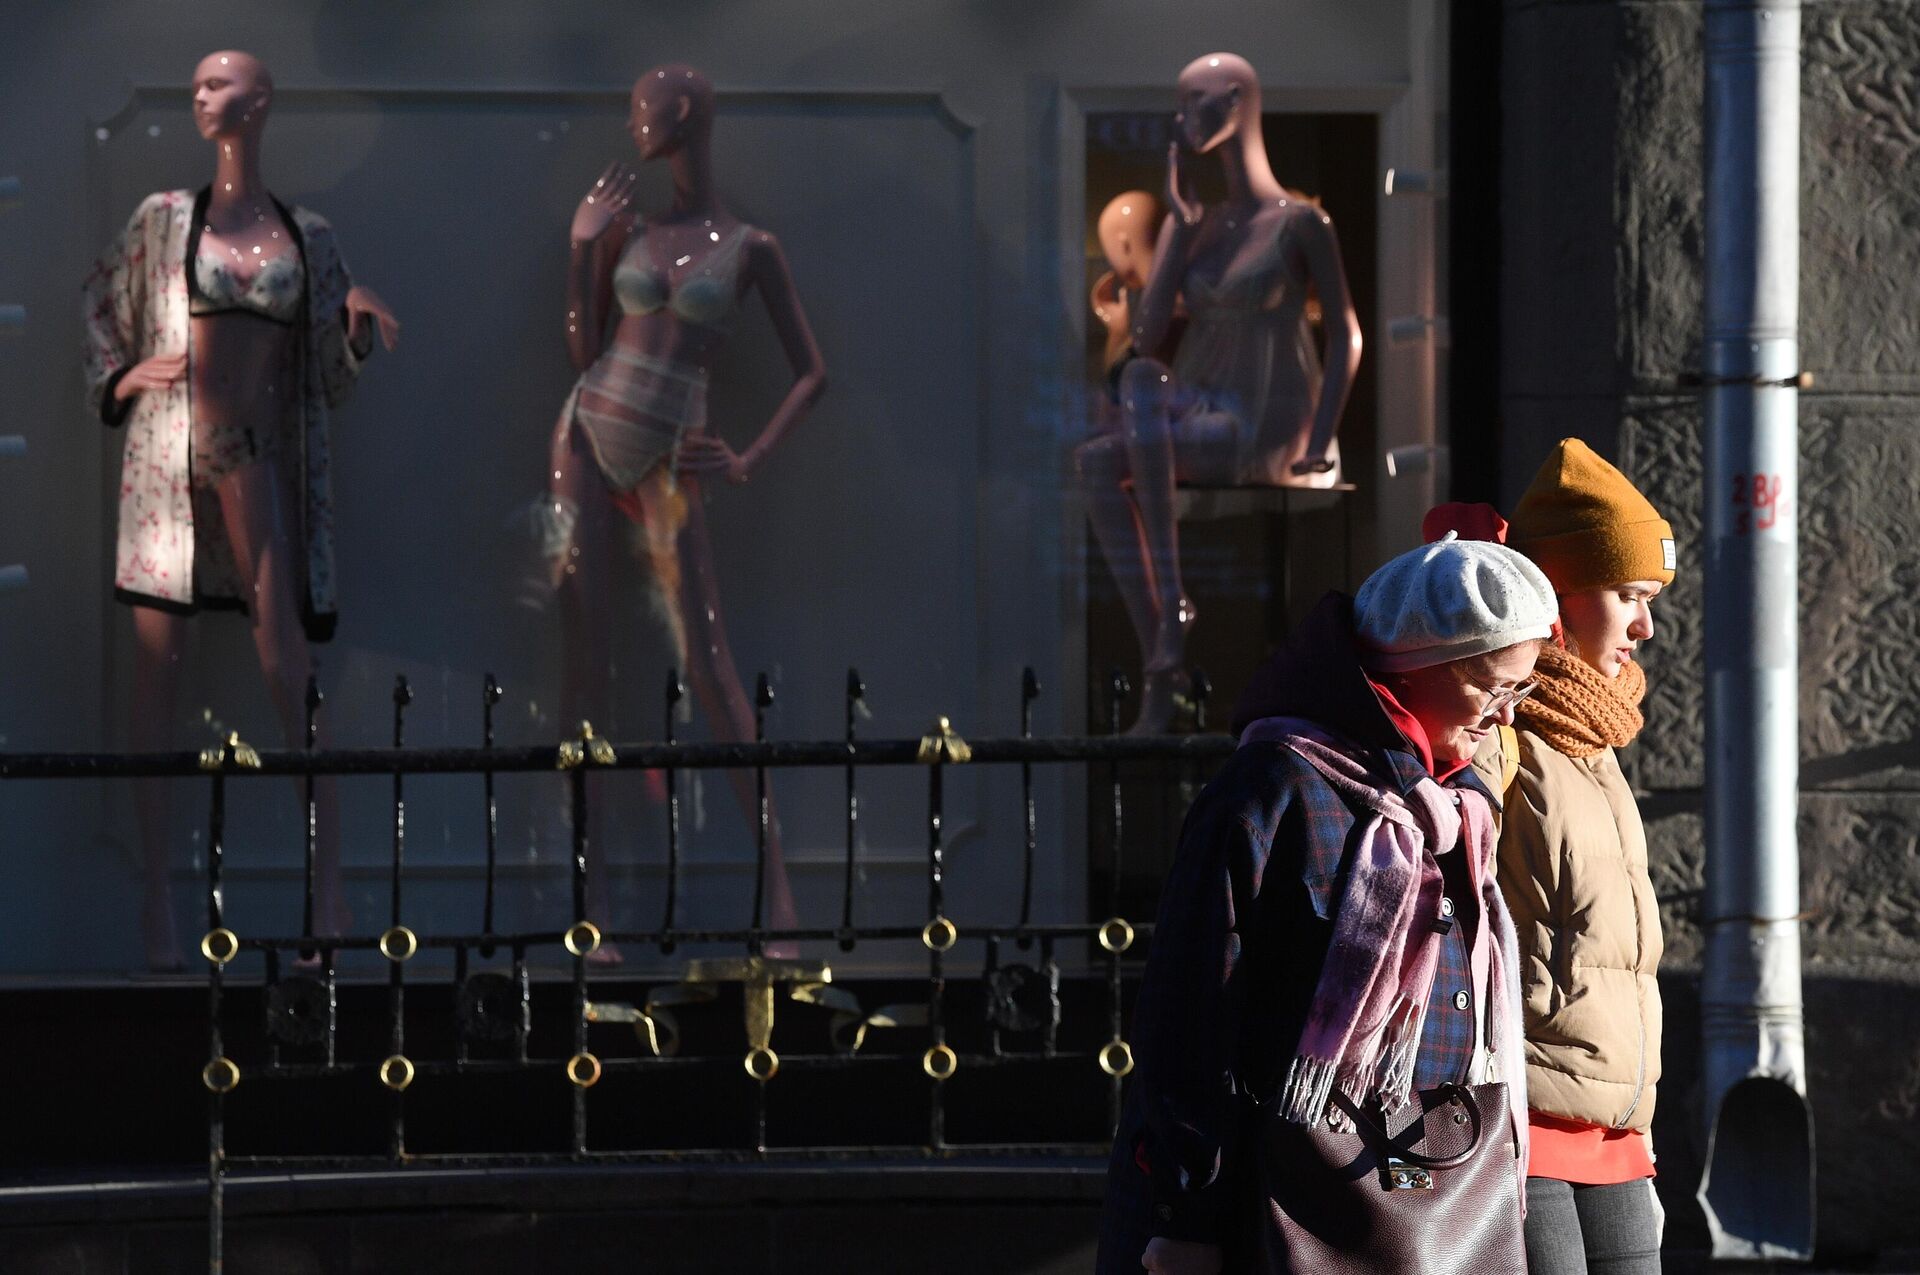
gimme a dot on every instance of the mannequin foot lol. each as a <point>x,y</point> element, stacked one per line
<point>783,917</point>
<point>1170,638</point>
<point>1164,699</point>
<point>161,940</point>
<point>606,956</point>
<point>332,918</point>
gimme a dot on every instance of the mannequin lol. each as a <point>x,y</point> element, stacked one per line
<point>1127,228</point>
<point>1246,400</point>
<point>221,329</point>
<point>632,443</point>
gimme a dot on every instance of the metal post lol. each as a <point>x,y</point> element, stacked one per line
<point>1757,1186</point>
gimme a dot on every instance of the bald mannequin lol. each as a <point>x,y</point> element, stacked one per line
<point>1245,400</point>
<point>1126,228</point>
<point>633,449</point>
<point>243,303</point>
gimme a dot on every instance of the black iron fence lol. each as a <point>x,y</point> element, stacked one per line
<point>493,999</point>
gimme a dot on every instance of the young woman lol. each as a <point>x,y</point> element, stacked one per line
<point>1573,868</point>
<point>1331,919</point>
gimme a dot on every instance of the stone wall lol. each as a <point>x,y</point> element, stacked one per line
<point>1601,285</point>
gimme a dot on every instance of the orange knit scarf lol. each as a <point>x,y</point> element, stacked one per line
<point>1577,710</point>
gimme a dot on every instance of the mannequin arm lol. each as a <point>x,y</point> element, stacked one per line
<point>1341,359</point>
<point>1105,297</point>
<point>775,281</point>
<point>113,300</point>
<point>590,292</point>
<point>1153,315</point>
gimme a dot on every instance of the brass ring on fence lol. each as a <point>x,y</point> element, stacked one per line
<point>581,938</point>
<point>1116,1058</point>
<point>399,944</point>
<point>940,1062</point>
<point>584,1070</point>
<point>1116,935</point>
<point>762,1064</point>
<point>220,1075</point>
<point>939,934</point>
<point>396,1072</point>
<point>220,945</point>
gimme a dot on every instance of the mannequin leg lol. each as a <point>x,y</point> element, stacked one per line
<point>584,578</point>
<point>158,638</point>
<point>1146,400</point>
<point>251,505</point>
<point>716,684</point>
<point>1101,464</point>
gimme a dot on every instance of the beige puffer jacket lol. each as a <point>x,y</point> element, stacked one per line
<point>1573,868</point>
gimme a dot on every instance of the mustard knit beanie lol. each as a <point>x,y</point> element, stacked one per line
<point>1587,526</point>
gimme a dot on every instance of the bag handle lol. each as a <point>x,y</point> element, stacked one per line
<point>1382,1143</point>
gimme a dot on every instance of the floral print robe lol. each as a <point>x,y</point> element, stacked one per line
<point>172,549</point>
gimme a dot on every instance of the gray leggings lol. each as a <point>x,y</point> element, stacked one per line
<point>1605,1230</point>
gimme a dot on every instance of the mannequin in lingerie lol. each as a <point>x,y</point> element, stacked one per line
<point>633,445</point>
<point>222,327</point>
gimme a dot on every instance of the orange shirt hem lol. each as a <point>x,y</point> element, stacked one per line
<point>1586,1154</point>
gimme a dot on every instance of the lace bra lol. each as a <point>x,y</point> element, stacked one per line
<point>707,297</point>
<point>273,291</point>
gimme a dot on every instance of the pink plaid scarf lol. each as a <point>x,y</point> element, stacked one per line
<point>1363,1029</point>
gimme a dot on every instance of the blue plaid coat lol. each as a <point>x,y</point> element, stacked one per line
<point>1242,931</point>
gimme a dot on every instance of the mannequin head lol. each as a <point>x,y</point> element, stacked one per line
<point>1128,226</point>
<point>1219,98</point>
<point>671,106</point>
<point>232,93</point>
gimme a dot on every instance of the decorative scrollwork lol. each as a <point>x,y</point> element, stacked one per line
<point>487,1008</point>
<point>297,1010</point>
<point>1022,999</point>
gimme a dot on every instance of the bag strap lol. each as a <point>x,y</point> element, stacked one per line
<point>1509,758</point>
<point>1383,1144</point>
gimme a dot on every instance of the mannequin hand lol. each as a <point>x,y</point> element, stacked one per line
<point>156,373</point>
<point>611,194</point>
<point>704,454</point>
<point>1181,1257</point>
<point>364,303</point>
<point>1187,210</point>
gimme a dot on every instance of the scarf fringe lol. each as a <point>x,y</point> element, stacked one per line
<point>1309,1086</point>
<point>1393,1074</point>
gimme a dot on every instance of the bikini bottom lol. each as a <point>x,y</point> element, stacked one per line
<point>659,403</point>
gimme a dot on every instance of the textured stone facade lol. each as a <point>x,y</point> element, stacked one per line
<point>1602,292</point>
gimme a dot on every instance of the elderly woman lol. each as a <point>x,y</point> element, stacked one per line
<point>1330,938</point>
<point>1573,866</point>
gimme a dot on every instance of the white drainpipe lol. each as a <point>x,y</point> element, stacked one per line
<point>1757,1186</point>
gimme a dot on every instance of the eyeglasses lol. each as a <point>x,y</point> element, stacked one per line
<point>1499,702</point>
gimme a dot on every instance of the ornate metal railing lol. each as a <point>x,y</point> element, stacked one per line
<point>492,982</point>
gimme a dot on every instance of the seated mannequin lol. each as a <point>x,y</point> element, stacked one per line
<point>1246,399</point>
